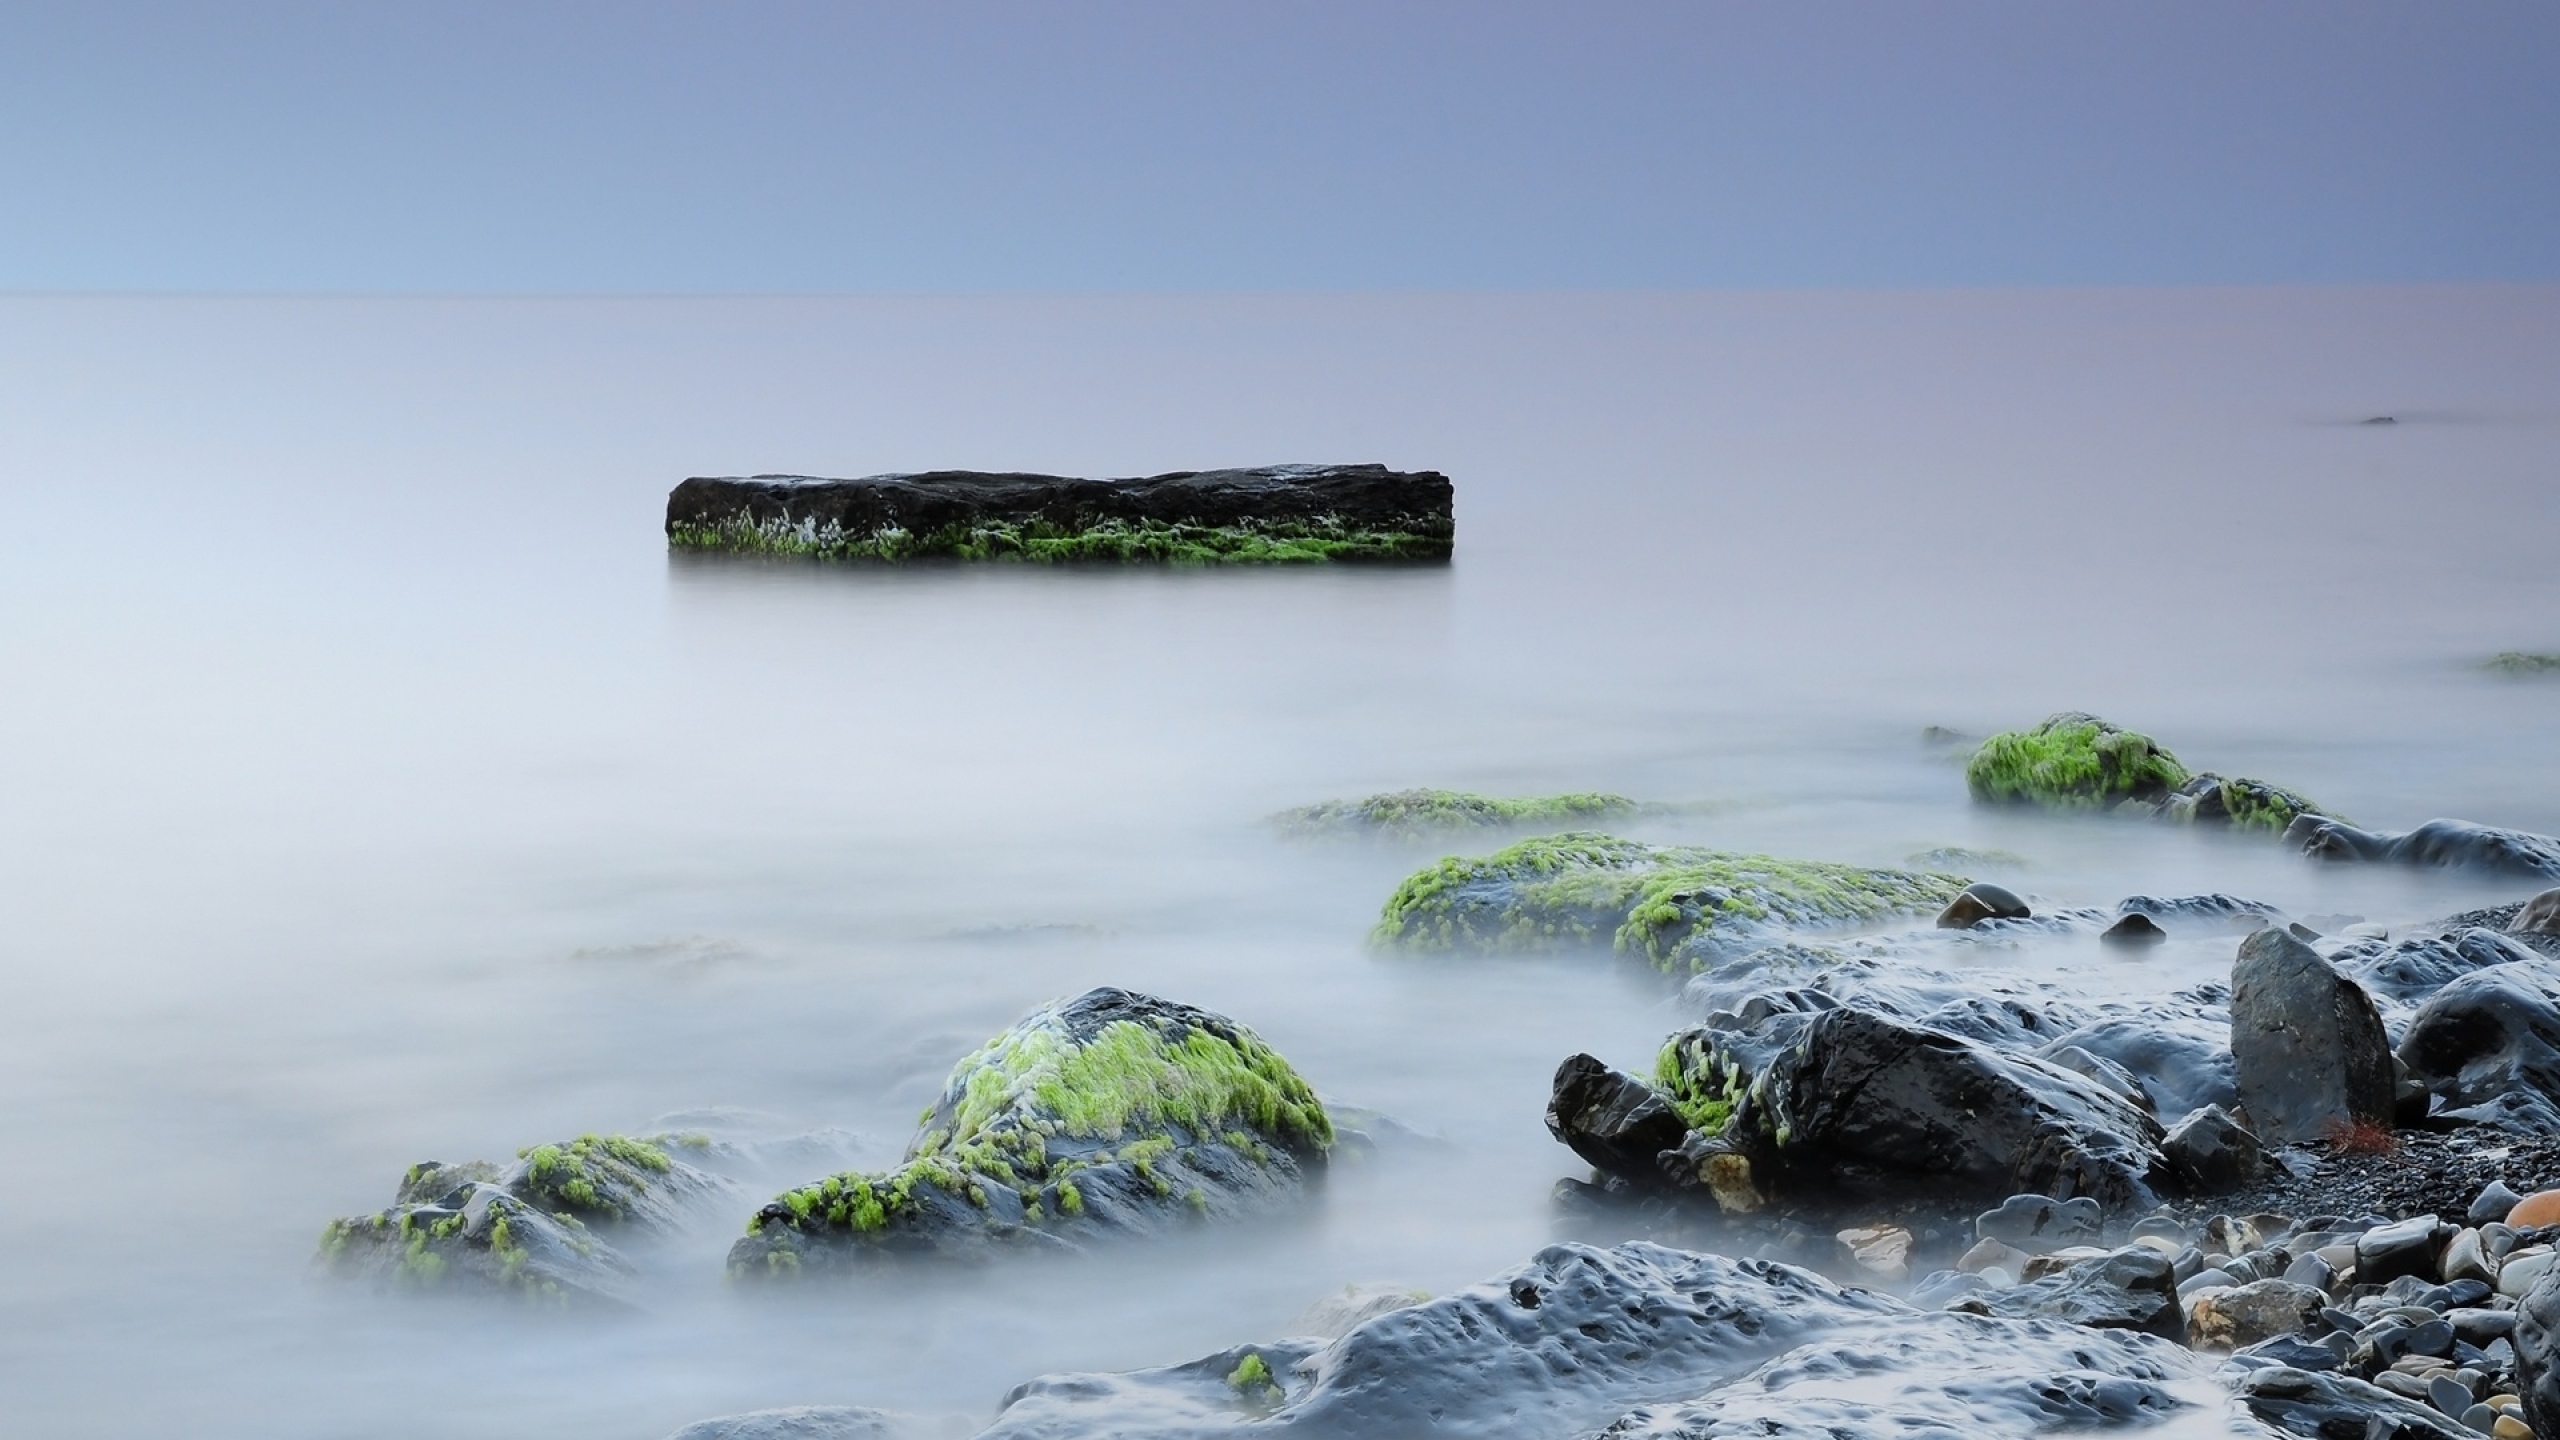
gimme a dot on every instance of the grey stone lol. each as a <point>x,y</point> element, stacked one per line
<point>2308,1046</point>
<point>2230,1319</point>
<point>2037,1223</point>
<point>2213,1153</point>
<point>1982,901</point>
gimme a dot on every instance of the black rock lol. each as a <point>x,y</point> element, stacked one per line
<point>2213,1153</point>
<point>2303,1402</point>
<point>2438,843</point>
<point>2128,1290</point>
<point>2414,967</point>
<point>1611,1119</point>
<point>2294,1351</point>
<point>2038,1223</point>
<point>2133,932</point>
<point>2494,1203</point>
<point>1873,1107</point>
<point>2306,1043</point>
<point>2402,1248</point>
<point>2488,1045</point>
<point>1275,513</point>
<point>2216,913</point>
<point>1982,901</point>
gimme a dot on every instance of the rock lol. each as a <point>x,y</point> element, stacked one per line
<point>1612,1120</point>
<point>2522,1269</point>
<point>2494,1203</point>
<point>2310,1268</point>
<point>2465,1260</point>
<point>1880,1250</point>
<point>1113,1112</point>
<point>1279,513</point>
<point>2209,799</point>
<point>2214,914</point>
<point>1353,1306</point>
<point>2300,1402</point>
<point>2444,844</point>
<point>2130,1289</point>
<point>2259,1310</point>
<point>2540,915</point>
<point>1429,814</point>
<point>2521,662</point>
<point>2404,1247</point>
<point>2487,1046</point>
<point>535,1227</point>
<point>1865,1106</point>
<point>804,1422</point>
<point>2536,1338</point>
<point>2072,762</point>
<point>1677,907</point>
<point>2037,1223</point>
<point>1981,901</point>
<point>2306,1043</point>
<point>2214,1154</point>
<point>2542,1207</point>
<point>2133,932</point>
<point>1993,1255</point>
<point>2288,1350</point>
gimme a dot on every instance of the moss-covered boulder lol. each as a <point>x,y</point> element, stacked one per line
<point>1419,814</point>
<point>533,1228</point>
<point>2076,762</point>
<point>1112,1113</point>
<point>1677,907</point>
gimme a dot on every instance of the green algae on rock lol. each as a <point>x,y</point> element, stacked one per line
<point>1111,1112</point>
<point>1414,814</point>
<point>1677,907</point>
<point>2077,762</point>
<point>2522,662</point>
<point>530,1228</point>
<point>1275,515</point>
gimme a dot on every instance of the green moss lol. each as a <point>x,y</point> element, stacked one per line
<point>1411,814</point>
<point>1107,541</point>
<point>2072,762</point>
<point>2257,805</point>
<point>1702,1086</point>
<point>591,1175</point>
<point>2519,662</point>
<point>1252,1373</point>
<point>1669,905</point>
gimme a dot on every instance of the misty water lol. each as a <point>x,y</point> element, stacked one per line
<point>375,786</point>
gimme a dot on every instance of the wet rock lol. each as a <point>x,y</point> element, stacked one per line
<point>1883,1251</point>
<point>1993,1255</point>
<point>2523,1269</point>
<point>2487,1046</point>
<point>2288,1350</point>
<point>1617,1123</point>
<point>803,1422</point>
<point>2306,1043</point>
<point>2301,1402</point>
<point>1864,1105</point>
<point>2037,1223</point>
<point>2130,1289</point>
<point>2214,1154</point>
<point>2494,1203</point>
<point>1677,907</point>
<point>1112,1113</point>
<point>2178,1049</point>
<point>2404,1247</point>
<point>1982,901</point>
<point>2539,916</point>
<point>2443,844</point>
<point>479,1237</point>
<point>2216,913</point>
<point>1353,1306</point>
<point>2209,799</point>
<point>2542,1207</point>
<point>2072,761</point>
<point>2411,969</point>
<point>2465,1260</point>
<point>2133,932</point>
<point>1280,513</point>
<point>1561,1345</point>
<point>1425,814</point>
<point>2247,1314</point>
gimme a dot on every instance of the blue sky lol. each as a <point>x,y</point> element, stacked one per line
<point>977,145</point>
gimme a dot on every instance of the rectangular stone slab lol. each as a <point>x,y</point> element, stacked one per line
<point>1277,514</point>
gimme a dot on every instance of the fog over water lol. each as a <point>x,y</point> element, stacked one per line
<point>375,787</point>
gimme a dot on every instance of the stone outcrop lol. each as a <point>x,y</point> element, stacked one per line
<point>2307,1045</point>
<point>1275,514</point>
<point>2438,844</point>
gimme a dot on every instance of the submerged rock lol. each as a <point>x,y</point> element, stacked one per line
<point>1417,814</point>
<point>2309,1050</point>
<point>2072,762</point>
<point>1615,1121</point>
<point>2210,799</point>
<point>2487,1046</point>
<point>2131,1289</point>
<point>535,1227</point>
<point>1982,901</point>
<point>2522,662</point>
<point>2134,932</point>
<point>1678,907</point>
<point>1275,514</point>
<point>1113,1112</point>
<point>2442,844</point>
<point>811,1422</point>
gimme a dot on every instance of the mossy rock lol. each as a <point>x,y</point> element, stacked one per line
<point>1418,814</point>
<point>531,1228</point>
<point>2210,799</point>
<point>1677,907</point>
<point>2072,762</point>
<point>2520,662</point>
<point>1113,1112</point>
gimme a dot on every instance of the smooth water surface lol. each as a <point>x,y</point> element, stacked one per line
<point>375,787</point>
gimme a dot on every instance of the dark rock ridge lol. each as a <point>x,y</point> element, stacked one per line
<point>1275,514</point>
<point>2074,761</point>
<point>1635,1340</point>
<point>1678,907</point>
<point>2308,1047</point>
<point>1111,1113</point>
<point>2442,844</point>
<point>534,1228</point>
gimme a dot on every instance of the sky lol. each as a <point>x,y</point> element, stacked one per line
<point>998,146</point>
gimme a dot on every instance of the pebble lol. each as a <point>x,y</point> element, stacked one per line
<point>2433,1338</point>
<point>2449,1396</point>
<point>2523,1267</point>
<point>2310,1270</point>
<point>2508,1427</point>
<point>2494,1203</point>
<point>1880,1249</point>
<point>2480,1418</point>
<point>2542,1207</point>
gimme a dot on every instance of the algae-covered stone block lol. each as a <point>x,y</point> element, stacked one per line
<point>1678,907</point>
<point>1111,1112</point>
<point>1279,514</point>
